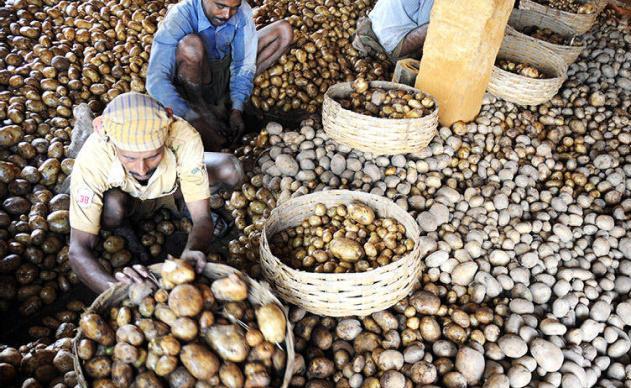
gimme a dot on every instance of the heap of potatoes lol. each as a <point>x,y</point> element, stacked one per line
<point>342,239</point>
<point>573,6</point>
<point>321,54</point>
<point>523,69</point>
<point>189,332</point>
<point>550,36</point>
<point>390,104</point>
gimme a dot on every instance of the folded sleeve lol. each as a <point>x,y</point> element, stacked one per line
<point>189,152</point>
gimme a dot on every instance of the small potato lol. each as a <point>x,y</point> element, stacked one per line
<point>177,271</point>
<point>126,353</point>
<point>122,374</point>
<point>231,288</point>
<point>228,341</point>
<point>103,383</point>
<point>346,249</point>
<point>199,361</point>
<point>98,367</point>
<point>231,375</point>
<point>130,334</point>
<point>165,314</point>
<point>184,329</point>
<point>147,380</point>
<point>166,365</point>
<point>186,301</point>
<point>96,329</point>
<point>271,322</point>
<point>86,349</point>
<point>180,378</point>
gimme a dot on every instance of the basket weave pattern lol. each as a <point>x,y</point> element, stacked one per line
<point>580,23</point>
<point>521,18</point>
<point>258,294</point>
<point>345,294</point>
<point>379,136</point>
<point>524,90</point>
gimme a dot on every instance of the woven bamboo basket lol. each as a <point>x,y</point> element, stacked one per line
<point>345,294</point>
<point>524,90</point>
<point>580,23</point>
<point>259,293</point>
<point>521,18</point>
<point>372,134</point>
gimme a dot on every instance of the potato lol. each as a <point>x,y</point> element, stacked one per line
<point>103,383</point>
<point>165,314</point>
<point>130,334</point>
<point>86,349</point>
<point>199,361</point>
<point>361,213</point>
<point>271,322</point>
<point>147,380</point>
<point>231,375</point>
<point>126,353</point>
<point>180,378</point>
<point>122,374</point>
<point>228,341</point>
<point>184,329</point>
<point>186,301</point>
<point>139,291</point>
<point>346,249</point>
<point>177,271</point>
<point>63,361</point>
<point>165,365</point>
<point>231,288</point>
<point>96,329</point>
<point>98,367</point>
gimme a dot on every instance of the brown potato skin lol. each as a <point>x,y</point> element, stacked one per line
<point>199,361</point>
<point>95,328</point>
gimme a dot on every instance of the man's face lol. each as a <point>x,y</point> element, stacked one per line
<point>220,11</point>
<point>140,165</point>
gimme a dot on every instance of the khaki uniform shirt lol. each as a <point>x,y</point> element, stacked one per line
<point>97,169</point>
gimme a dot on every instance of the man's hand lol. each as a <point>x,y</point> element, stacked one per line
<point>134,274</point>
<point>197,258</point>
<point>237,126</point>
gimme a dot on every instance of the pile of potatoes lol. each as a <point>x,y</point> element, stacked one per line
<point>573,6</point>
<point>523,69</point>
<point>342,239</point>
<point>390,104</point>
<point>547,35</point>
<point>321,54</point>
<point>48,360</point>
<point>189,332</point>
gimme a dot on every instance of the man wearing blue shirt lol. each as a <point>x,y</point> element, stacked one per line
<point>206,54</point>
<point>396,28</point>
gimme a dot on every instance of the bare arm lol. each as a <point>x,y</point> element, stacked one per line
<point>85,264</point>
<point>201,234</point>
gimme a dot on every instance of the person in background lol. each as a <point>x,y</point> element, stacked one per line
<point>396,28</point>
<point>204,57</point>
<point>139,159</point>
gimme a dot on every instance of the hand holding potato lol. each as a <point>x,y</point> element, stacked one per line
<point>197,258</point>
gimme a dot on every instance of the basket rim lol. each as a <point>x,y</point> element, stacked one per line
<point>561,12</point>
<point>338,276</point>
<point>330,100</point>
<point>546,43</point>
<point>509,40</point>
<point>522,78</point>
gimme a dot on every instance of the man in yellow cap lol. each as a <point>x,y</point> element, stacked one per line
<point>137,159</point>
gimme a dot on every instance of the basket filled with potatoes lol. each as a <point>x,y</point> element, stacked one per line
<point>341,253</point>
<point>580,15</point>
<point>380,117</point>
<point>220,328</point>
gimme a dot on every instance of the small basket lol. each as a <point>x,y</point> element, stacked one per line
<point>580,23</point>
<point>258,294</point>
<point>521,18</point>
<point>379,136</point>
<point>345,294</point>
<point>524,90</point>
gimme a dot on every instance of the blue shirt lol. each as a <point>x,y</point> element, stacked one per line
<point>237,35</point>
<point>392,20</point>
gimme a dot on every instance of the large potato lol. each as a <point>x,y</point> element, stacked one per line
<point>126,353</point>
<point>346,249</point>
<point>98,367</point>
<point>271,321</point>
<point>228,342</point>
<point>186,301</point>
<point>96,329</point>
<point>184,329</point>
<point>361,213</point>
<point>122,374</point>
<point>180,378</point>
<point>231,288</point>
<point>147,380</point>
<point>199,361</point>
<point>231,375</point>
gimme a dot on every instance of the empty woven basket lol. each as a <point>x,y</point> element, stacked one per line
<point>344,294</point>
<point>379,136</point>
<point>524,90</point>
<point>521,18</point>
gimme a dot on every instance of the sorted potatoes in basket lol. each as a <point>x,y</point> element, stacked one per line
<point>390,104</point>
<point>188,332</point>
<point>547,35</point>
<point>573,6</point>
<point>342,239</point>
<point>522,69</point>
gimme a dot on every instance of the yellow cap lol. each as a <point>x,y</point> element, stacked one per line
<point>136,122</point>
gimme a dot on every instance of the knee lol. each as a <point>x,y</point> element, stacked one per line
<point>114,203</point>
<point>231,171</point>
<point>190,49</point>
<point>285,32</point>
